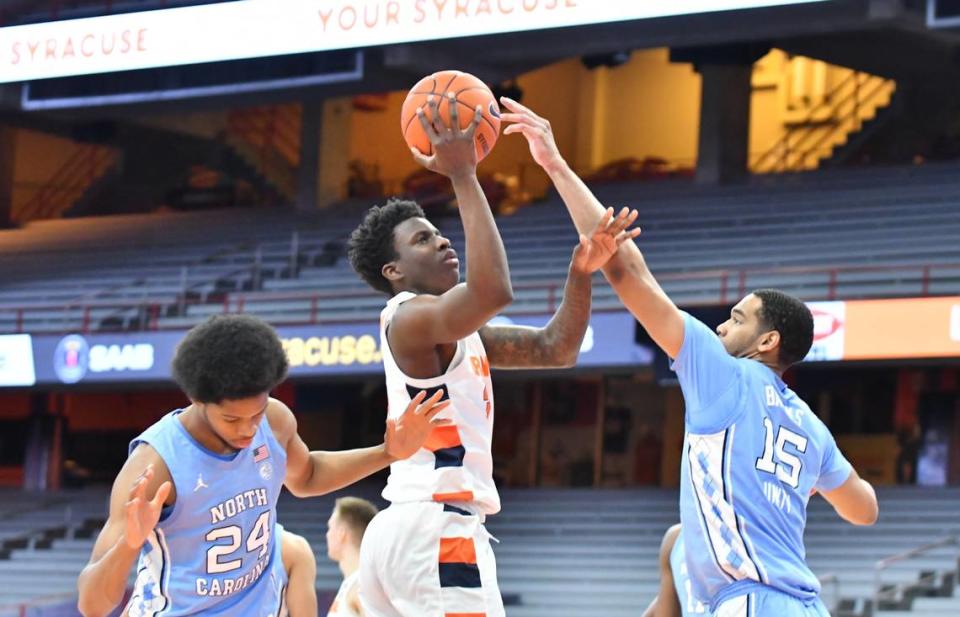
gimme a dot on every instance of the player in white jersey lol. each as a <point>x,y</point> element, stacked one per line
<point>345,530</point>
<point>195,503</point>
<point>428,554</point>
<point>754,452</point>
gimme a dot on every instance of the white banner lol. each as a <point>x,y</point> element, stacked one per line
<point>260,28</point>
<point>16,360</point>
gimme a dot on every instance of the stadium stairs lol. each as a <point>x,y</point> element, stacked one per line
<point>571,552</point>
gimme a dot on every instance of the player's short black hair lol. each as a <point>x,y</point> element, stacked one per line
<point>792,319</point>
<point>371,244</point>
<point>229,357</point>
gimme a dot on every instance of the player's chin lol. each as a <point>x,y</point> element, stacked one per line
<point>240,444</point>
<point>446,279</point>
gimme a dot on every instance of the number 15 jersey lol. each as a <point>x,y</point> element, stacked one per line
<point>752,453</point>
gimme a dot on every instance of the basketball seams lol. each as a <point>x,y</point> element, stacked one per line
<point>452,79</point>
<point>451,83</point>
<point>483,116</point>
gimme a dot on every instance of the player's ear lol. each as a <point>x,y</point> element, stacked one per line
<point>391,271</point>
<point>768,341</point>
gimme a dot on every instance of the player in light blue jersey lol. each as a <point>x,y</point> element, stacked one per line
<point>195,503</point>
<point>675,598</point>
<point>753,451</point>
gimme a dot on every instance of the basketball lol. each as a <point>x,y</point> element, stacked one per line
<point>469,92</point>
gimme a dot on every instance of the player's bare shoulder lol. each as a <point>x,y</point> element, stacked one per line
<point>282,421</point>
<point>143,456</point>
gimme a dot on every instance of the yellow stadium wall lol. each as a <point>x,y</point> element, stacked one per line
<point>646,107</point>
<point>38,157</point>
<point>650,107</point>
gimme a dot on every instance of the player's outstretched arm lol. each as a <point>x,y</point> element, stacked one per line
<point>301,567</point>
<point>854,500</point>
<point>131,520</point>
<point>427,321</point>
<point>312,473</point>
<point>627,271</point>
<point>558,343</point>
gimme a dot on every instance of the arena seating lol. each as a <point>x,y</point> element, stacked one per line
<point>570,552</point>
<point>853,234</point>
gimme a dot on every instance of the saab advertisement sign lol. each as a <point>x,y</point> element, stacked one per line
<point>313,351</point>
<point>103,358</point>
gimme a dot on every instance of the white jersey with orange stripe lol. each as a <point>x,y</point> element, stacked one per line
<point>455,465</point>
<point>341,604</point>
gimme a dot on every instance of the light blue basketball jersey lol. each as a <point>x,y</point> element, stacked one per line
<point>215,551</point>
<point>753,451</point>
<point>689,605</point>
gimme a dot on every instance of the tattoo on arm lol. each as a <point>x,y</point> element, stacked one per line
<point>555,345</point>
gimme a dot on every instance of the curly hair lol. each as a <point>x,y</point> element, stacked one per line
<point>371,244</point>
<point>792,319</point>
<point>229,357</point>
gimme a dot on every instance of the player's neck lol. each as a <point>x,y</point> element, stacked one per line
<point>768,362</point>
<point>197,426</point>
<point>350,561</point>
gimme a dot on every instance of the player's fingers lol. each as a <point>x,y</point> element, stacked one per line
<point>623,222</point>
<point>135,487</point>
<point>431,133</point>
<point>604,220</point>
<point>433,411</point>
<point>433,102</point>
<point>630,234</point>
<point>139,488</point>
<point>416,400</point>
<point>519,119</point>
<point>452,105</point>
<point>161,495</point>
<point>516,107</point>
<point>132,515</point>
<point>430,402</point>
<point>421,158</point>
<point>477,118</point>
<point>529,132</point>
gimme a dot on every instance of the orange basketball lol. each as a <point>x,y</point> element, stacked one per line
<point>469,92</point>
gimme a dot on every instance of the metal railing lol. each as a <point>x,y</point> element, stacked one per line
<point>84,167</point>
<point>731,285</point>
<point>833,581</point>
<point>792,150</point>
<point>879,593</point>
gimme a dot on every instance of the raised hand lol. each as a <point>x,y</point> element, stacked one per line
<point>593,252</point>
<point>454,153</point>
<point>142,514</point>
<point>537,130</point>
<point>407,434</point>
